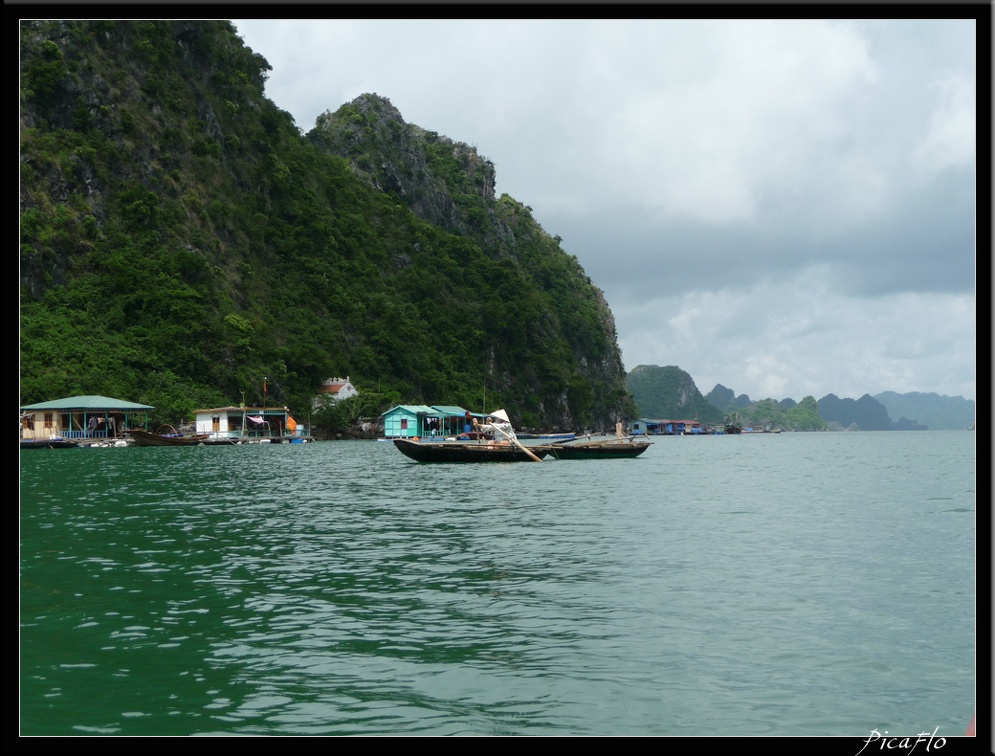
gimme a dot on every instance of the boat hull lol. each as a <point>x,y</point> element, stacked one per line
<point>144,438</point>
<point>554,438</point>
<point>599,450</point>
<point>48,443</point>
<point>466,451</point>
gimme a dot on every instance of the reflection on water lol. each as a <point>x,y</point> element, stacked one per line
<point>722,585</point>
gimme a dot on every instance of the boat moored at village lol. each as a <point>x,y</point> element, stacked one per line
<point>144,438</point>
<point>54,442</point>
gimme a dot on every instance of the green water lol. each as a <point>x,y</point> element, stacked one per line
<point>792,584</point>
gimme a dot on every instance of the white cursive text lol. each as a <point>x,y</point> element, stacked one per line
<point>906,743</point>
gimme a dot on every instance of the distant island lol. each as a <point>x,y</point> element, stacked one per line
<point>669,392</point>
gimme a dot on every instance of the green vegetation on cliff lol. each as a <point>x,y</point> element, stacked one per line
<point>669,393</point>
<point>181,239</point>
<point>768,413</point>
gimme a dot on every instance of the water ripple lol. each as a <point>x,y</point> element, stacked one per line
<point>720,585</point>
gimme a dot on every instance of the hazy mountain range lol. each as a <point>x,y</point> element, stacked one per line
<point>669,392</point>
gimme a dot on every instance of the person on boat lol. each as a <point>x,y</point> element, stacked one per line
<point>500,426</point>
<point>468,423</point>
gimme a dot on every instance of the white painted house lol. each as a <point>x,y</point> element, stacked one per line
<point>248,424</point>
<point>334,389</point>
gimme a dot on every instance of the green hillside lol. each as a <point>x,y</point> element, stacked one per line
<point>670,393</point>
<point>180,239</point>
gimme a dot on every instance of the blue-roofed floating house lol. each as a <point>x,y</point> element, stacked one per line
<point>423,421</point>
<point>649,427</point>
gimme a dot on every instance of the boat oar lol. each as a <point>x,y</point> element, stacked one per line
<point>517,443</point>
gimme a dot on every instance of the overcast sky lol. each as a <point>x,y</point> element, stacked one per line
<point>787,208</point>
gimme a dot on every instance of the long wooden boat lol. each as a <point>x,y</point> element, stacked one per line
<point>467,451</point>
<point>56,442</point>
<point>144,438</point>
<point>612,448</point>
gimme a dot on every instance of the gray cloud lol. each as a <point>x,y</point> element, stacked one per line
<point>776,205</point>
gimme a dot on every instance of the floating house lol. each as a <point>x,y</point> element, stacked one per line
<point>88,416</point>
<point>423,421</point>
<point>647,427</point>
<point>251,424</point>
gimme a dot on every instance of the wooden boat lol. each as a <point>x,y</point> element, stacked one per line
<point>468,451</point>
<point>144,438</point>
<point>733,426</point>
<point>557,438</point>
<point>611,448</point>
<point>550,437</point>
<point>48,443</point>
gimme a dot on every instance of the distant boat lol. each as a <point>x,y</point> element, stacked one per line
<point>468,451</point>
<point>554,437</point>
<point>557,437</point>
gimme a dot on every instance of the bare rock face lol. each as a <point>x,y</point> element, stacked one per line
<point>450,185</point>
<point>424,170</point>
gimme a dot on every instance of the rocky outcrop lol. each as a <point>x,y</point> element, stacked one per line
<point>406,160</point>
<point>450,185</point>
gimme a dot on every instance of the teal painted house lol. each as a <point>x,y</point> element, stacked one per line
<point>423,421</point>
